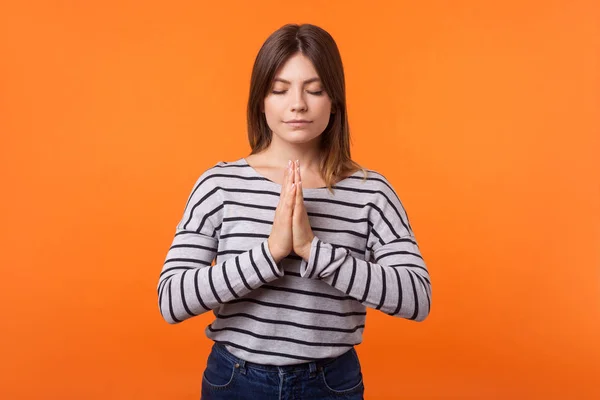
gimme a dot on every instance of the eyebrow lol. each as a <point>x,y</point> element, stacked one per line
<point>315,79</point>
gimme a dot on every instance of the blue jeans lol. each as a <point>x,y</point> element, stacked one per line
<point>229,377</point>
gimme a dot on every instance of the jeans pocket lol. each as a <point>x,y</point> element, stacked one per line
<point>220,372</point>
<point>343,375</point>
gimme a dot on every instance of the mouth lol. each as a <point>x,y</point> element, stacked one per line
<point>300,124</point>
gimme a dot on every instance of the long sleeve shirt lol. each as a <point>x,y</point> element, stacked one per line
<point>364,254</point>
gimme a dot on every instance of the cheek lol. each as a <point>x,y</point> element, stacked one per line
<point>323,104</point>
<point>272,107</point>
<point>324,110</point>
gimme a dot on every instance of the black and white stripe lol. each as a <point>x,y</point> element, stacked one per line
<point>364,255</point>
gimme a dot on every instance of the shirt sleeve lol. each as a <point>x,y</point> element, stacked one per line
<point>189,284</point>
<point>393,278</point>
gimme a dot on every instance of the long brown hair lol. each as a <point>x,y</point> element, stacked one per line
<point>318,46</point>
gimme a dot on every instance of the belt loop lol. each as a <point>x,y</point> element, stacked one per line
<point>241,364</point>
<point>312,366</point>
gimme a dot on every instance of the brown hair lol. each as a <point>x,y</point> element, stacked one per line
<point>319,47</point>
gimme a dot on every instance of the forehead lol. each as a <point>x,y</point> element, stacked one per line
<point>298,68</point>
<point>305,82</point>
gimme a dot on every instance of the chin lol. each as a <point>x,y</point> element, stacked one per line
<point>303,137</point>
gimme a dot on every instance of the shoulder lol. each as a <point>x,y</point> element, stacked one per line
<point>373,179</point>
<point>385,193</point>
<point>215,174</point>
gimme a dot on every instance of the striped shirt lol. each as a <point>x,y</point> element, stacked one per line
<point>364,254</point>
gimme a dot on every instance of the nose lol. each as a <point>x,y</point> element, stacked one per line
<point>298,101</point>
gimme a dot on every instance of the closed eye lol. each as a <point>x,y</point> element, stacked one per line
<point>319,93</point>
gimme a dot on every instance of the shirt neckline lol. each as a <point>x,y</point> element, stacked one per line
<point>317,189</point>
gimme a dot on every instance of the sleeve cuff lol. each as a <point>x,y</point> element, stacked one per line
<point>307,268</point>
<point>269,269</point>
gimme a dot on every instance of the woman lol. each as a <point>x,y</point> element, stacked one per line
<point>296,263</point>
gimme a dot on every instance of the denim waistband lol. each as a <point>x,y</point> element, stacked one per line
<point>318,363</point>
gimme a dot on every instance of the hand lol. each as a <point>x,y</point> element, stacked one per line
<point>280,239</point>
<point>302,234</point>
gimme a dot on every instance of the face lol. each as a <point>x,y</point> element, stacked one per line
<point>297,93</point>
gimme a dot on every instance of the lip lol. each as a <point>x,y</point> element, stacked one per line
<point>298,124</point>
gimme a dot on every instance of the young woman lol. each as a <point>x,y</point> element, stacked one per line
<point>303,239</point>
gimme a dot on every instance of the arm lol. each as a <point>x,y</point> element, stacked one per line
<point>188,285</point>
<point>394,280</point>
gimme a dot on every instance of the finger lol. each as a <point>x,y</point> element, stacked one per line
<point>298,180</point>
<point>291,189</point>
<point>293,170</point>
<point>298,199</point>
<point>284,185</point>
<point>286,180</point>
<point>290,174</point>
<point>299,203</point>
<point>299,177</point>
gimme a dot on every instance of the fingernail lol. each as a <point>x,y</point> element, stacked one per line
<point>289,163</point>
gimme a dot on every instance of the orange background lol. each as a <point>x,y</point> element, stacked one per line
<point>485,118</point>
